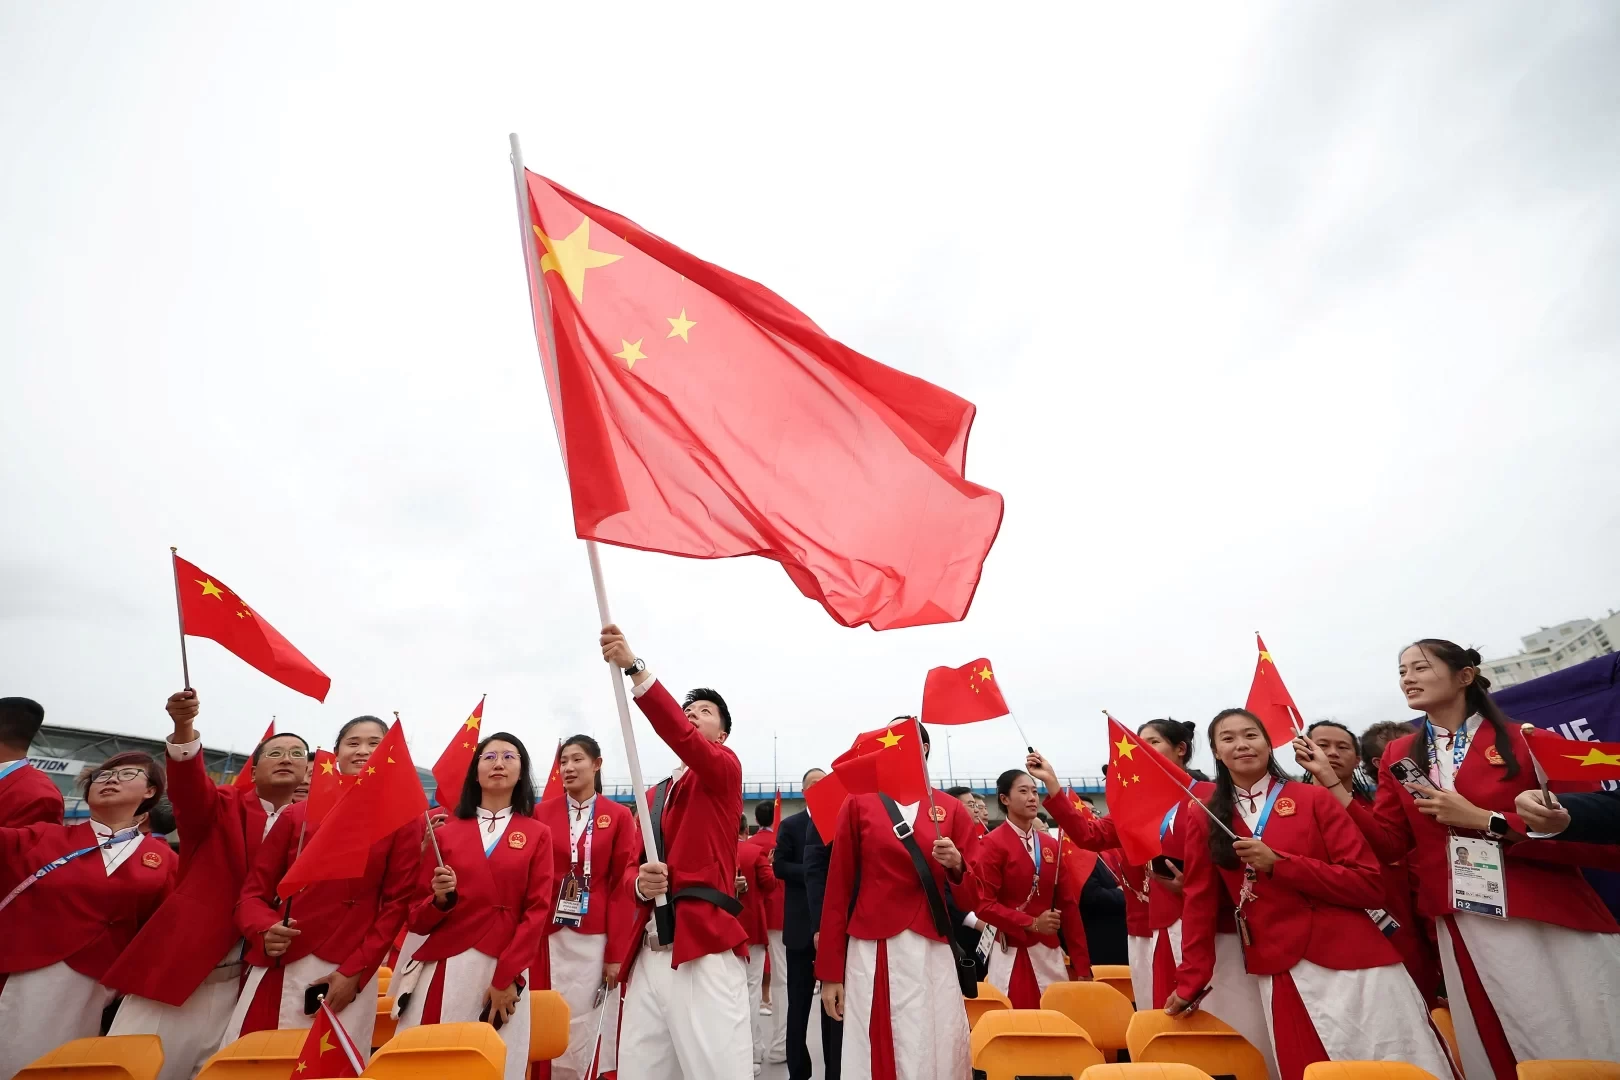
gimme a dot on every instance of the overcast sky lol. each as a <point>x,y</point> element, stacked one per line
<point>1298,318</point>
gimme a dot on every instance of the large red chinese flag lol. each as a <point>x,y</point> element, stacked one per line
<point>451,768</point>
<point>702,415</point>
<point>385,795</point>
<point>326,785</point>
<point>885,760</point>
<point>1270,700</point>
<point>962,695</point>
<point>209,609</point>
<point>1572,759</point>
<point>1142,787</point>
<point>245,777</point>
<point>328,1051</point>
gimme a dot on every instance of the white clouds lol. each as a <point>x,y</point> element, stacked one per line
<point>1302,323</point>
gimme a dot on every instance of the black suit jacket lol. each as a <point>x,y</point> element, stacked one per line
<point>790,844</point>
<point>817,857</point>
<point>1594,817</point>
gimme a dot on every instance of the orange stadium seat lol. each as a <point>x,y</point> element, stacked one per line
<point>263,1055</point>
<point>1100,1010</point>
<point>1198,1039</point>
<point>1013,1043</point>
<point>989,999</point>
<point>434,1051</point>
<point>111,1057</point>
<point>385,975</point>
<point>548,1025</point>
<point>1366,1070</point>
<point>1569,1070</point>
<point>1118,976</point>
<point>385,1025</point>
<point>1447,1030</point>
<point>1145,1071</point>
<point>1148,1023</point>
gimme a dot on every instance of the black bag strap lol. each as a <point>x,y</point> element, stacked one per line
<point>729,904</point>
<point>907,837</point>
<point>659,800</point>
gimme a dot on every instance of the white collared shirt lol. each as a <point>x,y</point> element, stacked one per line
<point>271,813</point>
<point>491,827</point>
<point>579,816</point>
<point>1028,839</point>
<point>1443,741</point>
<point>113,857</point>
<point>1250,809</point>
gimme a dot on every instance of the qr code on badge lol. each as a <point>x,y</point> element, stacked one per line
<point>1491,886</point>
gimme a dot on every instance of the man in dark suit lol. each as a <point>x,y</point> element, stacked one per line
<point>817,857</point>
<point>798,932</point>
<point>1585,818</point>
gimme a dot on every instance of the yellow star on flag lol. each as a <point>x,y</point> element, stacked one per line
<point>1135,779</point>
<point>889,739</point>
<point>1125,748</point>
<point>1595,757</point>
<point>370,771</point>
<point>680,326</point>
<point>985,674</point>
<point>326,766</point>
<point>210,589</point>
<point>326,1046</point>
<point>302,1066</point>
<point>571,256</point>
<point>1265,658</point>
<point>472,722</point>
<point>631,352</point>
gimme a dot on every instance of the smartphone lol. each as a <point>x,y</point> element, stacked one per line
<point>1408,771</point>
<point>312,997</point>
<point>1162,863</point>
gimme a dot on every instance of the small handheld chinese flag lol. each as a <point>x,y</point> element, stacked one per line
<point>328,1052</point>
<point>1142,787</point>
<point>209,609</point>
<point>451,768</point>
<point>245,777</point>
<point>885,760</point>
<point>1270,700</point>
<point>776,812</point>
<point>554,786</point>
<point>386,794</point>
<point>1572,759</point>
<point>962,695</point>
<point>326,786</point>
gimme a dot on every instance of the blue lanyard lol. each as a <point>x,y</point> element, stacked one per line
<point>1459,750</point>
<point>1265,811</point>
<point>1035,838</point>
<point>57,864</point>
<point>13,767</point>
<point>1169,820</point>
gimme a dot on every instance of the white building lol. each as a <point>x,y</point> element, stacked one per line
<point>1554,647</point>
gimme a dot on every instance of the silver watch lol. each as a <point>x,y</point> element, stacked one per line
<point>636,668</point>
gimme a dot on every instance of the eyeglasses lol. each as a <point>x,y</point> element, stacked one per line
<point>296,754</point>
<point>507,756</point>
<point>121,775</point>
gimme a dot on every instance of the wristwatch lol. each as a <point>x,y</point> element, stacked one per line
<point>641,665</point>
<point>1498,826</point>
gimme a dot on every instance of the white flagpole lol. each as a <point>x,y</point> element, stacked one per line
<point>540,309</point>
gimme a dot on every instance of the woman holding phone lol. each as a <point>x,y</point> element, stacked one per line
<point>485,902</point>
<point>1530,955</point>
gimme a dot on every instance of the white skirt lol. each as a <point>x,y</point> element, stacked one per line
<point>1556,990</point>
<point>1140,951</point>
<point>1370,1014</point>
<point>1234,994</point>
<point>44,1008</point>
<point>190,1031</point>
<point>576,972</point>
<point>359,1017</point>
<point>467,977</point>
<point>926,1014</point>
<point>1047,962</point>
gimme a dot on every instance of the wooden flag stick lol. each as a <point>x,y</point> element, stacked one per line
<point>180,614</point>
<point>1184,787</point>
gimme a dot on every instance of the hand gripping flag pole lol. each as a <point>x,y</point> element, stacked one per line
<point>540,310</point>
<point>1187,788</point>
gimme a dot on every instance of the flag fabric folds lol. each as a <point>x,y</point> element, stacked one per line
<point>245,777</point>
<point>1142,787</point>
<point>209,609</point>
<point>328,1051</point>
<point>702,415</point>
<point>554,786</point>
<point>1270,701</point>
<point>962,695</point>
<point>326,785</point>
<point>776,811</point>
<point>885,760</point>
<point>385,794</point>
<point>451,768</point>
<point>1564,759</point>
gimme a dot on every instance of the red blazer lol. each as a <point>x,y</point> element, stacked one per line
<point>78,912</point>
<point>776,902</point>
<point>1311,906</point>
<point>350,920</point>
<point>503,900</point>
<point>754,864</point>
<point>869,864</point>
<point>700,835</point>
<point>1003,871</point>
<point>615,846</point>
<point>221,830</point>
<point>29,797</point>
<point>1413,940</point>
<point>1542,880</point>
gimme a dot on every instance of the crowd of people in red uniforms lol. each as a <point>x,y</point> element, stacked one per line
<point>1320,915</point>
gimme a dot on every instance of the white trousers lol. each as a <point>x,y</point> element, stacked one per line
<point>576,972</point>
<point>359,1018</point>
<point>1234,995</point>
<point>1556,990</point>
<point>1140,952</point>
<point>467,976</point>
<point>1047,962</point>
<point>191,1030</point>
<point>686,1023</point>
<point>1370,1014</point>
<point>44,1008</point>
<point>756,992</point>
<point>926,1014</point>
<point>776,1023</point>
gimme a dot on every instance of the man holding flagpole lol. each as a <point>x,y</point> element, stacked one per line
<point>686,1011</point>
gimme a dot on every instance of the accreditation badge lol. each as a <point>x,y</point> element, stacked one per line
<point>1478,886</point>
<point>987,941</point>
<point>573,902</point>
